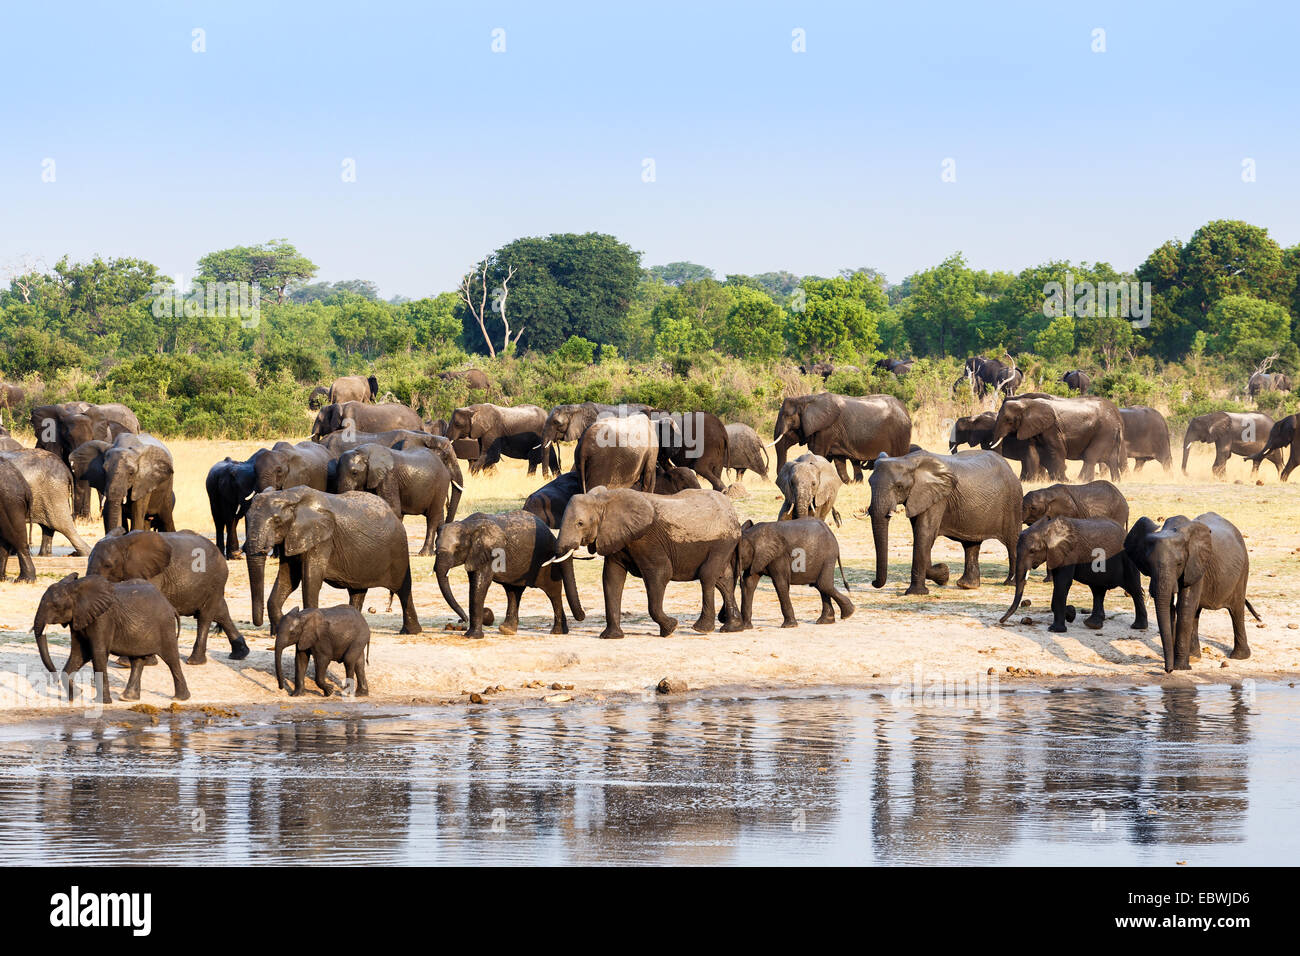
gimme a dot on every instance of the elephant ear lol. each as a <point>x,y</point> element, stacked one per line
<point>1060,540</point>
<point>148,553</point>
<point>1219,426</point>
<point>933,481</point>
<point>1038,417</point>
<point>84,455</point>
<point>313,620</point>
<point>94,596</point>
<point>487,544</point>
<point>1199,546</point>
<point>626,516</point>
<point>310,529</point>
<point>819,414</point>
<point>379,465</point>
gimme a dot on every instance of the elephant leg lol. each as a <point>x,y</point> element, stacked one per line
<point>842,471</point>
<point>300,659</point>
<point>199,652</point>
<point>1222,453</point>
<point>219,612</point>
<point>612,579</point>
<point>47,542</point>
<point>511,623</point>
<point>410,622</point>
<point>748,586</point>
<point>1194,640</point>
<point>432,521</point>
<point>1290,465</point>
<point>479,581</point>
<point>857,472</point>
<point>1098,616</point>
<point>359,672</point>
<point>781,581</point>
<point>1062,578</point>
<point>99,661</point>
<point>1133,587</point>
<point>924,531</point>
<point>553,586</point>
<point>826,584</point>
<point>1240,648</point>
<point>313,574</point>
<point>132,689</point>
<point>322,673</point>
<point>729,616</point>
<point>76,660</point>
<point>286,580</point>
<point>970,576</point>
<point>656,583</point>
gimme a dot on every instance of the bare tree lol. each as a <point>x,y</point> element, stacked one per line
<point>468,294</point>
<point>22,273</point>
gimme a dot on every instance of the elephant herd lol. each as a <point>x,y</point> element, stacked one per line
<point>330,511</point>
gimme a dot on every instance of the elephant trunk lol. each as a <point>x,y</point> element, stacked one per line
<point>441,567</point>
<point>282,641</point>
<point>1022,574</point>
<point>571,591</point>
<point>1162,593</point>
<point>114,495</point>
<point>1187,447</point>
<point>256,585</point>
<point>43,644</point>
<point>880,533</point>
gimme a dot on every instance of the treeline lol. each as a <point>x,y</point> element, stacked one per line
<point>587,321</point>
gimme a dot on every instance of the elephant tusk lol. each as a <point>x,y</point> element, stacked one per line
<point>996,443</point>
<point>457,487</point>
<point>537,446</point>
<point>777,439</point>
<point>558,559</point>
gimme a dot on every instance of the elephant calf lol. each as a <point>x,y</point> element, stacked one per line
<point>810,484</point>
<point>1096,499</point>
<point>802,551</point>
<point>1088,550</point>
<point>745,451</point>
<point>332,634</point>
<point>186,567</point>
<point>130,618</point>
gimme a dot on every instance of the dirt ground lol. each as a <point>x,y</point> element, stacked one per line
<point>949,635</point>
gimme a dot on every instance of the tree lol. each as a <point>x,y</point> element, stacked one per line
<point>678,273</point>
<point>320,291</point>
<point>275,265</point>
<point>474,295</point>
<point>754,326</point>
<point>939,309</point>
<point>1247,330</point>
<point>838,318</point>
<point>1057,340</point>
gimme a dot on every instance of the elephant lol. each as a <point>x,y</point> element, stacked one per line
<point>899,367</point>
<point>969,498</point>
<point>87,466</point>
<point>51,485</point>
<point>15,512</point>
<point>9,443</point>
<point>351,541</point>
<point>745,451</point>
<point>364,417</point>
<point>1268,382</point>
<point>549,501</point>
<point>139,474</point>
<point>411,481</point>
<point>689,536</point>
<point>1204,564</point>
<point>186,567</point>
<point>674,480</point>
<point>475,379</point>
<point>1077,381</point>
<point>801,551</point>
<point>1283,434</point>
<point>694,440</point>
<point>842,428</point>
<point>1087,550</point>
<point>129,618</point>
<point>824,369</point>
<point>618,452</point>
<point>1096,499</point>
<point>327,634</point>
<point>515,550</point>
<point>230,485</point>
<point>1146,437</point>
<point>810,485</point>
<point>568,422</point>
<point>977,431</point>
<point>320,395</point>
<point>1232,433</point>
<point>983,374</point>
<point>353,388</point>
<point>62,429</point>
<point>503,430</point>
<point>1087,429</point>
<point>11,396</point>
<point>288,465</point>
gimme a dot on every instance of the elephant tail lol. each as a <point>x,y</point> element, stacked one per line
<point>839,559</point>
<point>1251,609</point>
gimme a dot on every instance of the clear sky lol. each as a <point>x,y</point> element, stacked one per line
<point>764,158</point>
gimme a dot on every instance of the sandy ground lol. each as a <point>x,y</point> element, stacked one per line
<point>949,635</point>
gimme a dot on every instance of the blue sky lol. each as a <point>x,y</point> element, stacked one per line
<point>764,158</point>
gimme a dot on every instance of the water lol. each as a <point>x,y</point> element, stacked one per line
<point>1135,775</point>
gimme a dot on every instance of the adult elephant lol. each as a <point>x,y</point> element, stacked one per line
<point>899,367</point>
<point>351,541</point>
<point>1202,563</point>
<point>354,388</point>
<point>618,453</point>
<point>689,536</point>
<point>1232,433</point>
<point>1146,437</point>
<point>474,379</point>
<point>1096,499</point>
<point>8,442</point>
<point>412,481</point>
<point>15,509</point>
<point>11,397</point>
<point>1087,429</point>
<point>139,474</point>
<point>968,498</point>
<point>288,465</point>
<point>745,451</point>
<point>694,440</point>
<point>1268,382</point>
<point>186,567</point>
<point>1077,381</point>
<point>51,485</point>
<point>983,375</point>
<point>230,485</point>
<point>62,429</point>
<point>843,428</point>
<point>514,431</point>
<point>364,417</point>
<point>977,432</point>
<point>568,422</point>
<point>1283,434</point>
<point>549,501</point>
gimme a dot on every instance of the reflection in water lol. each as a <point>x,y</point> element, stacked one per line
<point>1138,775</point>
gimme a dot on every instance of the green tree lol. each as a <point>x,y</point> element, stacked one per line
<point>939,310</point>
<point>1246,330</point>
<point>274,265</point>
<point>679,273</point>
<point>754,327</point>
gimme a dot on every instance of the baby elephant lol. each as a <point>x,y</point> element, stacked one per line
<point>810,485</point>
<point>1088,550</point>
<point>132,619</point>
<point>327,634</point>
<point>800,551</point>
<point>1096,499</point>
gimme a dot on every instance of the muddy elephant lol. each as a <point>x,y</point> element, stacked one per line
<point>515,550</point>
<point>1203,564</point>
<point>351,541</point>
<point>968,498</point>
<point>328,635</point>
<point>1283,434</point>
<point>983,374</point>
<point>810,485</point>
<point>977,432</point>
<point>745,451</point>
<point>1087,429</point>
<point>288,465</point>
<point>62,429</point>
<point>1077,381</point>
<point>694,440</point>
<point>410,481</point>
<point>1096,499</point>
<point>186,567</point>
<point>15,511</point>
<point>689,536</point>
<point>1232,433</point>
<point>801,551</point>
<point>139,474</point>
<point>51,485</point>
<point>842,428</point>
<point>1087,550</point>
<point>364,417</point>
<point>618,452</point>
<point>132,619</point>
<point>515,432</point>
<point>1146,437</point>
<point>1268,382</point>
